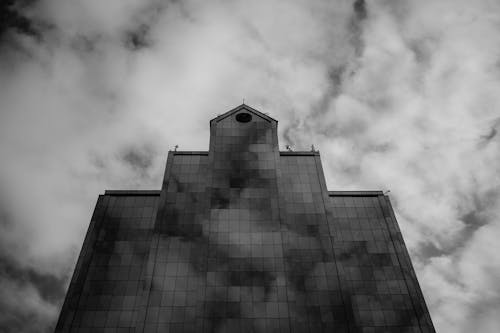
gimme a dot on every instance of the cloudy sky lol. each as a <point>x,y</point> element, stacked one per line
<point>397,95</point>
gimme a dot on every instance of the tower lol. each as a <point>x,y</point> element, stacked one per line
<point>244,237</point>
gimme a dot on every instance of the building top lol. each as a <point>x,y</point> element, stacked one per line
<point>240,108</point>
<point>245,130</point>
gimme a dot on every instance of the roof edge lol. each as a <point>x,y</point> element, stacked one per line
<point>190,152</point>
<point>132,192</point>
<point>355,193</point>
<point>299,153</point>
<point>243,107</point>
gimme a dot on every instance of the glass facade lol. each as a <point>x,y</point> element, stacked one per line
<point>244,238</point>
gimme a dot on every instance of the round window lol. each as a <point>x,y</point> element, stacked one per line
<point>243,117</point>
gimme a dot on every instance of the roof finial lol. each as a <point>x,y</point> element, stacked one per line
<point>243,101</point>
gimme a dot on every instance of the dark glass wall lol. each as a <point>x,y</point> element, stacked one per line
<point>107,287</point>
<point>378,283</point>
<point>244,238</point>
<point>175,278</point>
<point>312,277</point>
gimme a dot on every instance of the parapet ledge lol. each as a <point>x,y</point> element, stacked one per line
<point>282,153</point>
<point>355,193</point>
<point>147,193</point>
<point>299,153</point>
<point>187,152</point>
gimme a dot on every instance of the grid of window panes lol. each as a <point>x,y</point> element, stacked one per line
<point>373,284</point>
<point>184,199</point>
<point>75,288</point>
<point>177,260</point>
<point>418,301</point>
<point>314,290</point>
<point>110,297</point>
<point>245,279</point>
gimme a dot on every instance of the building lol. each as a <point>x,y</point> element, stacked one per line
<point>244,238</point>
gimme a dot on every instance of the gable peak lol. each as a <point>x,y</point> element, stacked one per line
<point>243,107</point>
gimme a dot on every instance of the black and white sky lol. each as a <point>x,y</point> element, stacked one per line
<point>397,95</point>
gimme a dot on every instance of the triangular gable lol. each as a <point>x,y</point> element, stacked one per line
<point>246,108</point>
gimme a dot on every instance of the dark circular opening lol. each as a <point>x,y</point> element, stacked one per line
<point>243,117</point>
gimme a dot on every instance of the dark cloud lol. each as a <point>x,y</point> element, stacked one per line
<point>139,158</point>
<point>50,287</point>
<point>13,18</point>
<point>5,219</point>
<point>360,14</point>
<point>335,80</point>
<point>484,315</point>
<point>472,222</point>
<point>23,322</point>
<point>26,292</point>
<point>138,38</point>
<point>335,77</point>
<point>360,9</point>
<point>339,72</point>
<point>423,49</point>
<point>97,161</point>
<point>140,35</point>
<point>493,132</point>
<point>383,147</point>
<point>489,136</point>
<point>85,44</point>
<point>429,250</point>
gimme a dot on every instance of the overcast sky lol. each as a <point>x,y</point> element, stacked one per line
<point>397,95</point>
